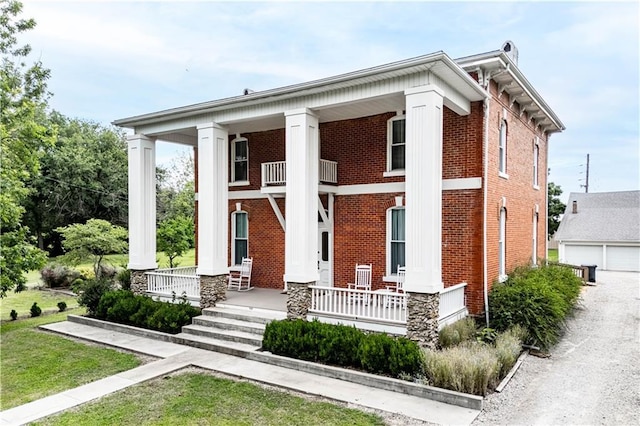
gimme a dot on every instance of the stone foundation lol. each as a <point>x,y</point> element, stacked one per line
<point>298,300</point>
<point>139,281</point>
<point>213,288</point>
<point>423,310</point>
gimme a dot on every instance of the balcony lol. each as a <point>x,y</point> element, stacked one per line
<point>275,173</point>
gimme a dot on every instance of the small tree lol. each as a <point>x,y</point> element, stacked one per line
<point>556,208</point>
<point>174,237</point>
<point>93,240</point>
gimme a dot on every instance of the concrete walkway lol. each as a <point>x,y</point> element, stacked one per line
<point>176,357</point>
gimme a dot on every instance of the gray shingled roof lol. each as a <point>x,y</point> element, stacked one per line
<point>604,216</point>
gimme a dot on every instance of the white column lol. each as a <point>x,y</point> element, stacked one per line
<point>301,203</point>
<point>423,186</point>
<point>142,202</point>
<point>213,199</point>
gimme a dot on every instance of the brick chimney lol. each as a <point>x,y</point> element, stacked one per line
<point>575,207</point>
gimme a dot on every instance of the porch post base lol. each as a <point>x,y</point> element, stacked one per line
<point>213,289</point>
<point>298,300</point>
<point>423,310</point>
<point>139,281</point>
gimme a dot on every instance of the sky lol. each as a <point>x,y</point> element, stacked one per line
<point>112,60</point>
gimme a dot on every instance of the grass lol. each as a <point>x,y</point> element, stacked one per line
<point>22,301</point>
<point>552,255</point>
<point>188,259</point>
<point>196,398</point>
<point>35,364</point>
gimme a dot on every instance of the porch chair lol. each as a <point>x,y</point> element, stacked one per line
<point>362,282</point>
<point>401,274</point>
<point>240,279</point>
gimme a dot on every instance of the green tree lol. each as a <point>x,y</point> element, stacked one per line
<point>83,176</point>
<point>93,240</point>
<point>556,208</point>
<point>175,236</point>
<point>176,190</point>
<point>24,132</point>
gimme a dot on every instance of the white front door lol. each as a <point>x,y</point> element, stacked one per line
<point>324,265</point>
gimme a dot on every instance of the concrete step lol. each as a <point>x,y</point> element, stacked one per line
<point>227,335</point>
<point>255,315</point>
<point>224,323</point>
<point>216,345</point>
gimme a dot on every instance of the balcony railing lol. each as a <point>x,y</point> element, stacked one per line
<point>275,172</point>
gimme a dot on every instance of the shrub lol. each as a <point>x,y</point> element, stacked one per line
<point>35,310</point>
<point>538,299</point>
<point>458,332</point>
<point>124,307</point>
<point>124,278</point>
<point>344,346</point>
<point>508,346</point>
<point>86,272</point>
<point>55,275</point>
<point>62,306</point>
<point>13,314</point>
<point>91,291</point>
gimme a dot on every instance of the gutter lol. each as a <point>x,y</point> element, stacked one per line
<point>487,104</point>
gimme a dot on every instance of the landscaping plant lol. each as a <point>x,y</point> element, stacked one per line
<point>458,332</point>
<point>13,314</point>
<point>35,310</point>
<point>62,306</point>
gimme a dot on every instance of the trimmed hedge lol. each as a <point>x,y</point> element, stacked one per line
<point>343,346</point>
<point>538,299</point>
<point>124,307</point>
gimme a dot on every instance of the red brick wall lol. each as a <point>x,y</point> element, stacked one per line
<point>518,189</point>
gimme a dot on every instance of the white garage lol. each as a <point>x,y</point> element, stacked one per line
<point>601,229</point>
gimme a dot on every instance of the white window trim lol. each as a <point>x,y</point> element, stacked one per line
<point>233,163</point>
<point>502,148</point>
<point>502,251</point>
<point>394,172</point>
<point>536,164</point>
<point>534,240</point>
<point>233,236</point>
<point>389,276</point>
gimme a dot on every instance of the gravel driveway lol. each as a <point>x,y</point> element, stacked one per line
<point>592,376</point>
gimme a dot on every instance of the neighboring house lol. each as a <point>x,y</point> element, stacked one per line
<point>431,163</point>
<point>601,229</point>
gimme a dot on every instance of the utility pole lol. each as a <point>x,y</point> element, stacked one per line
<point>586,183</point>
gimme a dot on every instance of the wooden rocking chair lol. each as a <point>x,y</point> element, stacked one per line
<point>362,282</point>
<point>241,279</point>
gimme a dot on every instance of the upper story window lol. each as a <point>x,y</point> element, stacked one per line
<point>239,160</point>
<point>395,239</point>
<point>396,137</point>
<point>502,148</point>
<point>239,236</point>
<point>536,159</point>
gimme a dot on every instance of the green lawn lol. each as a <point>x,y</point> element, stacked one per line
<point>22,301</point>
<point>35,364</point>
<point>202,399</point>
<point>552,255</point>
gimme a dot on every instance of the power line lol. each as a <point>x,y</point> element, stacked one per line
<point>87,188</point>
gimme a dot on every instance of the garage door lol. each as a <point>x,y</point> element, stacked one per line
<point>583,255</point>
<point>620,258</point>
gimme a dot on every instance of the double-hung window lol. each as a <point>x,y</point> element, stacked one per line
<point>536,159</point>
<point>502,148</point>
<point>395,239</point>
<point>240,160</point>
<point>239,236</point>
<point>396,137</point>
<point>502,249</point>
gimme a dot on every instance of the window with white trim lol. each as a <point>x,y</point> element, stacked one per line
<point>536,159</point>
<point>396,137</point>
<point>239,236</point>
<point>239,160</point>
<point>502,272</point>
<point>395,239</point>
<point>502,148</point>
<point>534,257</point>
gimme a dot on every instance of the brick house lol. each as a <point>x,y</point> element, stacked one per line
<point>431,163</point>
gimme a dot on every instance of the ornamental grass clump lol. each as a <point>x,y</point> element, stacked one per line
<point>458,332</point>
<point>508,346</point>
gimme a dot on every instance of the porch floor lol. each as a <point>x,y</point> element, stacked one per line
<point>261,298</point>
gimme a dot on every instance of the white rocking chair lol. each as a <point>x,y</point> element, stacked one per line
<point>240,279</point>
<point>362,282</point>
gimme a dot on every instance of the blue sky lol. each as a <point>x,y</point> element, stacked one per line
<point>112,60</point>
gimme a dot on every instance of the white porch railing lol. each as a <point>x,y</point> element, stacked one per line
<point>381,306</point>
<point>275,172</point>
<point>179,280</point>
<point>358,304</point>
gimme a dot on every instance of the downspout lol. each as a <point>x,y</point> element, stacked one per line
<point>485,140</point>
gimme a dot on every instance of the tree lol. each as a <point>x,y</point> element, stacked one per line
<point>93,240</point>
<point>24,132</point>
<point>555,206</point>
<point>83,176</point>
<point>176,190</point>
<point>175,236</point>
